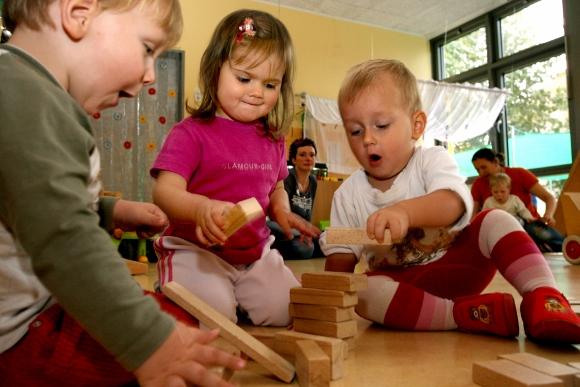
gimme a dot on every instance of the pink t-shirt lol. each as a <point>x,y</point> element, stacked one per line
<point>230,161</point>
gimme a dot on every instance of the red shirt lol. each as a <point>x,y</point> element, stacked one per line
<point>522,181</point>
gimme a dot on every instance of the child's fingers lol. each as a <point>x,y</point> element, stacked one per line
<point>205,337</point>
<point>194,373</point>
<point>212,356</point>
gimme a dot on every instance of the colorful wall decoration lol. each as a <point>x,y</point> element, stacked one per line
<point>130,134</point>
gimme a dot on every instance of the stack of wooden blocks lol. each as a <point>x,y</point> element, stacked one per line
<point>324,324</point>
<point>525,369</point>
<point>324,305</point>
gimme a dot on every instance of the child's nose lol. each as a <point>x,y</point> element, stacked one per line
<point>149,75</point>
<point>256,90</point>
<point>368,138</point>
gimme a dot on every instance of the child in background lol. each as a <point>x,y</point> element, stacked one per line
<point>433,278</point>
<point>70,314</point>
<point>500,185</point>
<point>230,149</point>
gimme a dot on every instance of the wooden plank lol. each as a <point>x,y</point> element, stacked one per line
<point>241,214</point>
<point>326,328</point>
<point>353,236</point>
<point>312,365</point>
<point>230,331</point>
<point>505,373</point>
<point>322,312</point>
<point>135,267</point>
<point>545,366</point>
<point>347,282</point>
<point>309,296</point>
<point>285,343</point>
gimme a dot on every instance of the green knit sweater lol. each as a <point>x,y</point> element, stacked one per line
<point>53,246</point>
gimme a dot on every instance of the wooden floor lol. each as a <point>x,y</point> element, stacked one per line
<point>422,359</point>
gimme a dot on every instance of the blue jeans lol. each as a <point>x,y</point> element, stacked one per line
<point>292,248</point>
<point>548,239</point>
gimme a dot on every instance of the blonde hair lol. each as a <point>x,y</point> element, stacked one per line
<point>500,178</point>
<point>271,38</point>
<point>364,74</point>
<point>34,14</point>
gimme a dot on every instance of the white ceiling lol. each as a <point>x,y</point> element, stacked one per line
<point>427,18</point>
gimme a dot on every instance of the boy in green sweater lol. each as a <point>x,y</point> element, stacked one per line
<point>70,314</point>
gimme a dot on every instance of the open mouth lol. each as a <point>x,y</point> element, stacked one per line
<point>374,157</point>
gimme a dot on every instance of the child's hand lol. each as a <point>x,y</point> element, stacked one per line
<point>183,359</point>
<point>394,218</point>
<point>210,220</point>
<point>145,218</point>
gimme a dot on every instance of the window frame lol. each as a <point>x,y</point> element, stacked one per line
<point>497,66</point>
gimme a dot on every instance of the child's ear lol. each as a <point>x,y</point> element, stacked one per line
<point>76,16</point>
<point>419,122</point>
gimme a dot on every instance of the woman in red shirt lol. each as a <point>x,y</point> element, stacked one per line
<point>524,185</point>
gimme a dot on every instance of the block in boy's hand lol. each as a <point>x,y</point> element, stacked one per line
<point>241,214</point>
<point>353,236</point>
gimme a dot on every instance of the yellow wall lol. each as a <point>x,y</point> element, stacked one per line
<point>325,47</point>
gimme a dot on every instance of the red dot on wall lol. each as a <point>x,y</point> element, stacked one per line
<point>97,115</point>
<point>162,119</point>
<point>151,91</point>
<point>127,145</point>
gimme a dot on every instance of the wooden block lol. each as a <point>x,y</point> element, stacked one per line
<point>285,343</point>
<point>135,267</point>
<point>322,312</point>
<point>230,331</point>
<point>546,366</point>
<point>350,344</point>
<point>323,297</point>
<point>353,236</point>
<point>575,365</point>
<point>347,282</point>
<point>326,328</point>
<point>312,365</point>
<point>263,334</point>
<point>242,213</point>
<point>505,373</point>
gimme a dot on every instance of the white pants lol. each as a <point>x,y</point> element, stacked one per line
<point>262,289</point>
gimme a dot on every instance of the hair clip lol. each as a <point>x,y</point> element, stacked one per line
<point>246,29</point>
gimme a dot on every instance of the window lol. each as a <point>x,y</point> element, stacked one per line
<point>539,23</point>
<point>537,115</point>
<point>518,47</point>
<point>465,53</point>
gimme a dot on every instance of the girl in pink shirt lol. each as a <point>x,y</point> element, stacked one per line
<point>232,148</point>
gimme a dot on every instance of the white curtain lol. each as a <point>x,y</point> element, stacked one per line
<point>455,113</point>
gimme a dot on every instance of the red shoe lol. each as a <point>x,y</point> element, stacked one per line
<point>493,313</point>
<point>548,317</point>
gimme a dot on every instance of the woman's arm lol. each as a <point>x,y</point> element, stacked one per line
<point>280,213</point>
<point>544,195</point>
